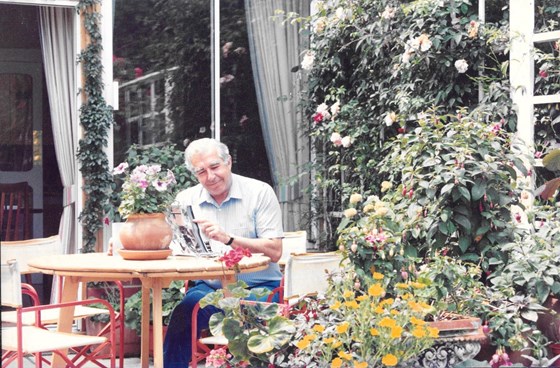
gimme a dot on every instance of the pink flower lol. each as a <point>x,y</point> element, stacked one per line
<point>120,169</point>
<point>138,72</point>
<point>543,73</point>
<point>217,357</point>
<point>336,139</point>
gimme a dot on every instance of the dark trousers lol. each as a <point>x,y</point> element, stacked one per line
<point>177,347</point>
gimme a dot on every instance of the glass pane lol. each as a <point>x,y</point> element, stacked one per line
<point>16,122</point>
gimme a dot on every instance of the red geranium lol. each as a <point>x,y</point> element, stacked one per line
<point>232,257</point>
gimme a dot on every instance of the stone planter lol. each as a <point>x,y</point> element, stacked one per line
<point>459,340</point>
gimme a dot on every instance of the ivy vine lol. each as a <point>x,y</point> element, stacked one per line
<point>96,118</point>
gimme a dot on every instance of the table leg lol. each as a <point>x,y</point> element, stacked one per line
<point>157,323</point>
<point>65,319</point>
<point>145,329</point>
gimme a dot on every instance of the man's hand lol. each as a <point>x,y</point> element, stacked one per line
<point>212,231</point>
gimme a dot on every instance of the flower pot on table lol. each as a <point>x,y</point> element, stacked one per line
<point>145,236</point>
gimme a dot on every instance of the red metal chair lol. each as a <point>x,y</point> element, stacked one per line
<point>19,339</point>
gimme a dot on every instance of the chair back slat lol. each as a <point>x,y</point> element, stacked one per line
<point>11,284</point>
<point>308,273</point>
<point>24,250</point>
<point>293,242</point>
<point>15,211</point>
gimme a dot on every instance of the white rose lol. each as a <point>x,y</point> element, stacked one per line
<point>390,118</point>
<point>335,108</point>
<point>346,142</point>
<point>461,65</point>
<point>308,59</point>
<point>336,139</point>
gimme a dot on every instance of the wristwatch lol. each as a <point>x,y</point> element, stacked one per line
<point>230,241</point>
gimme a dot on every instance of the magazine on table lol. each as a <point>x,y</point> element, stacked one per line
<point>188,240</point>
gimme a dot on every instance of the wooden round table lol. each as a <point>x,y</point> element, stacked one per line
<point>153,274</point>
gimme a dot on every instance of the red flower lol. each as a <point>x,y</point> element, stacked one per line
<point>233,257</point>
<point>543,73</point>
<point>318,117</point>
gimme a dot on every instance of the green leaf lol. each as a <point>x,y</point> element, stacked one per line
<point>478,190</point>
<point>465,193</point>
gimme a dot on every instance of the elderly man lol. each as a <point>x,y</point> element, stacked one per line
<point>231,210</point>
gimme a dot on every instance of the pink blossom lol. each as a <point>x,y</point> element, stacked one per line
<point>120,169</point>
<point>543,73</point>
<point>161,186</point>
<point>317,117</point>
<point>336,139</point>
<point>138,72</point>
<point>217,357</point>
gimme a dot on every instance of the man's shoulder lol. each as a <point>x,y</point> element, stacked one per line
<point>186,195</point>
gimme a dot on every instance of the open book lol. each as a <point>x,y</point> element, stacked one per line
<point>188,240</point>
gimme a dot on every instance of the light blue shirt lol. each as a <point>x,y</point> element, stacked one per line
<point>251,210</point>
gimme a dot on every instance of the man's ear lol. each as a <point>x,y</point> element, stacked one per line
<point>229,161</point>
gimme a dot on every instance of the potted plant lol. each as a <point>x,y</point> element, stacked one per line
<point>145,187</point>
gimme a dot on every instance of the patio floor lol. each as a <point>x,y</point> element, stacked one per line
<point>128,363</point>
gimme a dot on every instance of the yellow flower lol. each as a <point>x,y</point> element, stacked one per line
<point>347,294</point>
<point>374,331</point>
<point>344,355</point>
<point>368,208</point>
<point>387,322</point>
<point>350,212</point>
<point>352,304</point>
<point>375,290</point>
<point>396,332</point>
<point>406,296</point>
<point>336,344</point>
<point>302,344</point>
<point>401,285</point>
<point>336,305</point>
<point>355,198</point>
<point>336,363</point>
<point>381,211</point>
<point>343,327</point>
<point>385,186</point>
<point>360,365</point>
<point>329,340</point>
<point>310,337</point>
<point>418,285</point>
<point>361,298</point>
<point>394,312</point>
<point>318,328</point>
<point>390,360</point>
<point>378,276</point>
<point>433,332</point>
<point>418,331</point>
<point>387,301</point>
<point>379,309</point>
<point>417,321</point>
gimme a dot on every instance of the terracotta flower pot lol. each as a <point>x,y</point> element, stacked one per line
<point>146,232</point>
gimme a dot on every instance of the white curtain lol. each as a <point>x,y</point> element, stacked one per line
<point>59,56</point>
<point>276,49</point>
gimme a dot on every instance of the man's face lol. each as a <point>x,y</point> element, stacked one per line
<point>213,173</point>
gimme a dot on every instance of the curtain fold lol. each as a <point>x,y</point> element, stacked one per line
<point>59,57</point>
<point>276,49</point>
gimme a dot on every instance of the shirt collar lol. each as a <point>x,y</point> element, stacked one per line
<point>234,193</point>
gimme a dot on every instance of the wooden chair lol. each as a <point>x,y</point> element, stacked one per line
<point>19,339</point>
<point>16,202</point>
<point>308,274</point>
<point>21,251</point>
<point>294,242</point>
